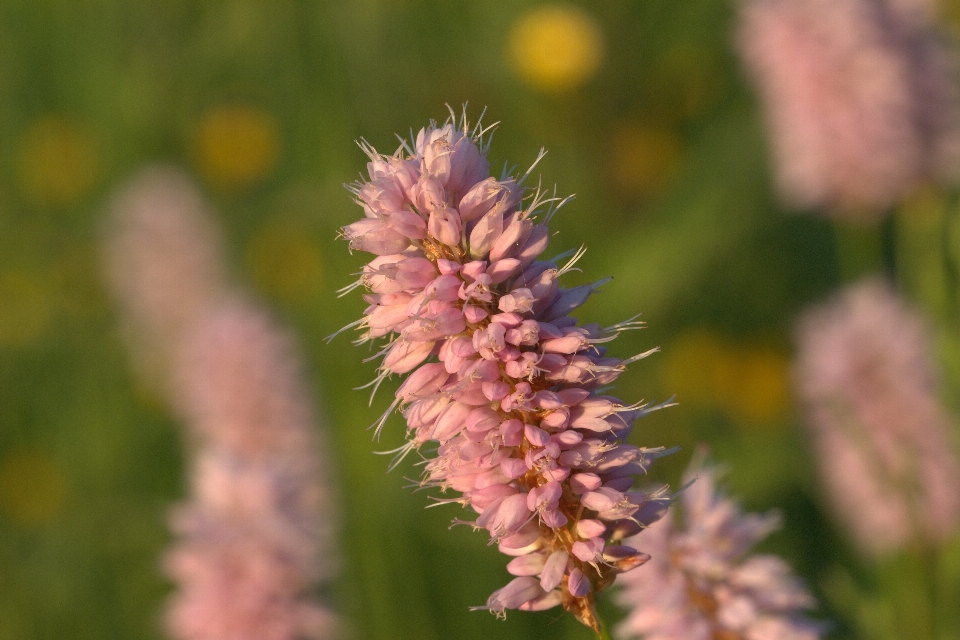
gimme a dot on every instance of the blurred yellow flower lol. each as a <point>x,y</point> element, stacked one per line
<point>555,47</point>
<point>57,161</point>
<point>691,367</point>
<point>763,386</point>
<point>749,382</point>
<point>644,158</point>
<point>950,13</point>
<point>236,145</point>
<point>284,262</point>
<point>33,487</point>
<point>26,307</point>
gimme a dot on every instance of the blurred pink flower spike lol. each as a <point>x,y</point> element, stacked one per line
<point>858,97</point>
<point>165,265</point>
<point>501,378</point>
<point>867,381</point>
<point>256,535</point>
<point>702,583</point>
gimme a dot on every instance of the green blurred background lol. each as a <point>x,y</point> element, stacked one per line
<point>647,118</point>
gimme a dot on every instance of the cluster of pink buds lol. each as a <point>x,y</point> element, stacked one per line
<point>501,377</point>
<point>254,539</point>
<point>705,582</point>
<point>867,379</point>
<point>859,98</point>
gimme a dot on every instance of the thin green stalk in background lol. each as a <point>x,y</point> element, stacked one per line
<point>604,628</point>
<point>859,249</point>
<point>927,257</point>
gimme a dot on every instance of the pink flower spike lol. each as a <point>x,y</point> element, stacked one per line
<point>503,381</point>
<point>415,273</point>
<point>250,536</point>
<point>866,375</point>
<point>382,195</point>
<point>706,561</point>
<point>450,422</point>
<point>860,100</point>
<point>473,270</point>
<point>535,245</point>
<point>445,288</point>
<point>483,419</point>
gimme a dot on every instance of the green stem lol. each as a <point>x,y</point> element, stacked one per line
<point>859,249</point>
<point>604,628</point>
<point>927,254</point>
<point>929,563</point>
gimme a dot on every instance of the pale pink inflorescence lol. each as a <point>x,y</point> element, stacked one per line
<point>702,583</point>
<point>254,538</point>
<point>165,264</point>
<point>866,378</point>
<point>858,99</point>
<point>502,381</point>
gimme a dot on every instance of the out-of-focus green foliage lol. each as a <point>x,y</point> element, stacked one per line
<point>262,102</point>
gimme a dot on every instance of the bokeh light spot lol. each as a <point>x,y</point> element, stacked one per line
<point>57,161</point>
<point>285,262</point>
<point>763,395</point>
<point>950,12</point>
<point>555,47</point>
<point>26,308</point>
<point>693,368</point>
<point>236,145</point>
<point>33,487</point>
<point>644,158</point>
<point>748,382</point>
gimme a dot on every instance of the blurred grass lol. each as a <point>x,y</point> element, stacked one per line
<point>661,145</point>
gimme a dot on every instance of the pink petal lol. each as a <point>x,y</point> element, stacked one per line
<point>577,584</point>
<point>553,570</point>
